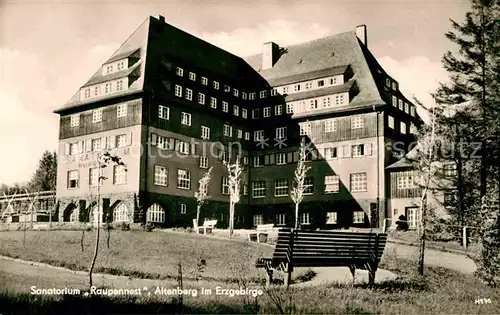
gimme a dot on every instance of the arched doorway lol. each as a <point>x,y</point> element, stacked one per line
<point>155,214</point>
<point>120,213</point>
<point>70,214</point>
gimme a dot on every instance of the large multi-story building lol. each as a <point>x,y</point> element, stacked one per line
<point>172,105</point>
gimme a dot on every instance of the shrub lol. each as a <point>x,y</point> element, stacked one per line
<point>125,226</point>
<point>148,227</point>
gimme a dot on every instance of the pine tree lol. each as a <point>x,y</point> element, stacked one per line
<point>44,178</point>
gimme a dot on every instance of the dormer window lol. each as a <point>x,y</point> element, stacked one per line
<point>97,91</point>
<point>235,92</point>
<point>394,86</point>
<point>192,76</point>
<point>388,82</point>
<point>243,95</point>
<point>179,71</point>
<point>109,69</point>
<point>119,85</point>
<point>263,94</point>
<point>252,96</point>
<point>227,88</point>
<point>87,93</point>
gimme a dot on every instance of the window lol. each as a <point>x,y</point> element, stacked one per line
<point>255,114</point>
<point>327,102</point>
<point>203,162</point>
<point>308,85</point>
<point>179,71</point>
<point>121,110</point>
<point>75,121</point>
<point>285,89</point>
<point>236,110</point>
<point>205,132</point>
<point>73,148</point>
<point>96,144</point>
<point>244,113</point>
<point>183,208</point>
<point>225,186</point>
<point>163,143</point>
<point>244,95</point>
<point>450,169</point>
<point>178,90</point>
<point>186,119</point>
<point>308,186</point>
<point>281,133</point>
<point>252,96</point>
<point>407,108</point>
<point>387,82</point>
<point>163,112</point>
<point>247,135</point>
<point>257,161</point>
<point>119,85</point>
<point>280,219</point>
<point>406,182</point>
<point>183,147</point>
<point>107,88</point>
<point>394,101</point>
<point>263,94</point>
<point>358,182</point>
<point>225,107</point>
<point>161,175</point>
<point>87,93</point>
<point>259,189</point>
<point>97,90</point>
<point>413,217</point>
<point>201,98</point>
<point>330,125</point>
<point>121,140</point>
<point>289,108</point>
<point>183,179</point>
<point>119,175</point>
<point>266,112</point>
<point>278,110</point>
<point>120,65</point>
<point>258,135</point>
<point>240,133</point>
<point>331,153</point>
<point>228,131</point>
<point>94,177</point>
<point>296,87</point>
<point>73,179</point>
<point>412,111</point>
<point>225,156</point>
<point>358,150</point>
<point>357,122</point>
<point>403,128</point>
<point>313,104</point>
<point>120,213</point>
<point>189,94</point>
<point>216,85</point>
<point>390,122</point>
<point>339,99</point>
<point>97,115</point>
<point>235,92</point>
<point>333,81</point>
<point>304,218</point>
<point>280,158</point>
<point>192,76</point>
<point>258,219</point>
<point>281,187</point>
<point>332,184</point>
<point>204,81</point>
<point>321,83</point>
<point>394,86</point>
<point>213,102</point>
<point>401,106</point>
<point>358,217</point>
<point>245,190</point>
<point>155,214</point>
<point>227,88</point>
<point>305,129</point>
<point>331,218</point>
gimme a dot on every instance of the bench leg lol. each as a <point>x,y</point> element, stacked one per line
<point>269,277</point>
<point>289,275</point>
<point>352,269</point>
<point>371,273</point>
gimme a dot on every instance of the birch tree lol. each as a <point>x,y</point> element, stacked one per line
<point>202,194</point>
<point>297,193</point>
<point>234,174</point>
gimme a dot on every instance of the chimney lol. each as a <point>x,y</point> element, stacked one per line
<point>161,18</point>
<point>361,33</point>
<point>270,54</point>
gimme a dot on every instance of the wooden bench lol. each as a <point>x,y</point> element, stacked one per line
<point>260,230</point>
<point>300,248</point>
<point>207,227</point>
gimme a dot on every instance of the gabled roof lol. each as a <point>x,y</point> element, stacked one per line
<point>326,54</point>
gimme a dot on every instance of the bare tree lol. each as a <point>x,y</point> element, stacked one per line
<point>103,161</point>
<point>297,193</point>
<point>202,194</point>
<point>234,174</point>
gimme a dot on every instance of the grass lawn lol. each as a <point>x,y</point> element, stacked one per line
<point>140,254</point>
<point>412,236</point>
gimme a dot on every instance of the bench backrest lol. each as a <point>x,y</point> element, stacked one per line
<point>210,223</point>
<point>265,227</point>
<point>328,248</point>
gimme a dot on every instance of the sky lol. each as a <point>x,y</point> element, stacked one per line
<point>48,49</point>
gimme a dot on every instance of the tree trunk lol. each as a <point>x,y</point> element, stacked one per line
<point>198,210</point>
<point>81,239</point>
<point>96,250</point>
<point>231,215</point>
<point>297,216</point>
<point>421,253</point>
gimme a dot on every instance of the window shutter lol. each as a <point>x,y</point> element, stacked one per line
<point>171,144</point>
<point>289,158</point>
<point>266,159</point>
<point>88,145</point>
<point>271,159</point>
<point>112,142</point>
<point>104,143</point>
<point>154,139</point>
<point>81,145</point>
<point>193,148</point>
<point>368,149</point>
<point>295,156</point>
<point>66,149</point>
<point>346,151</point>
<point>129,138</point>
